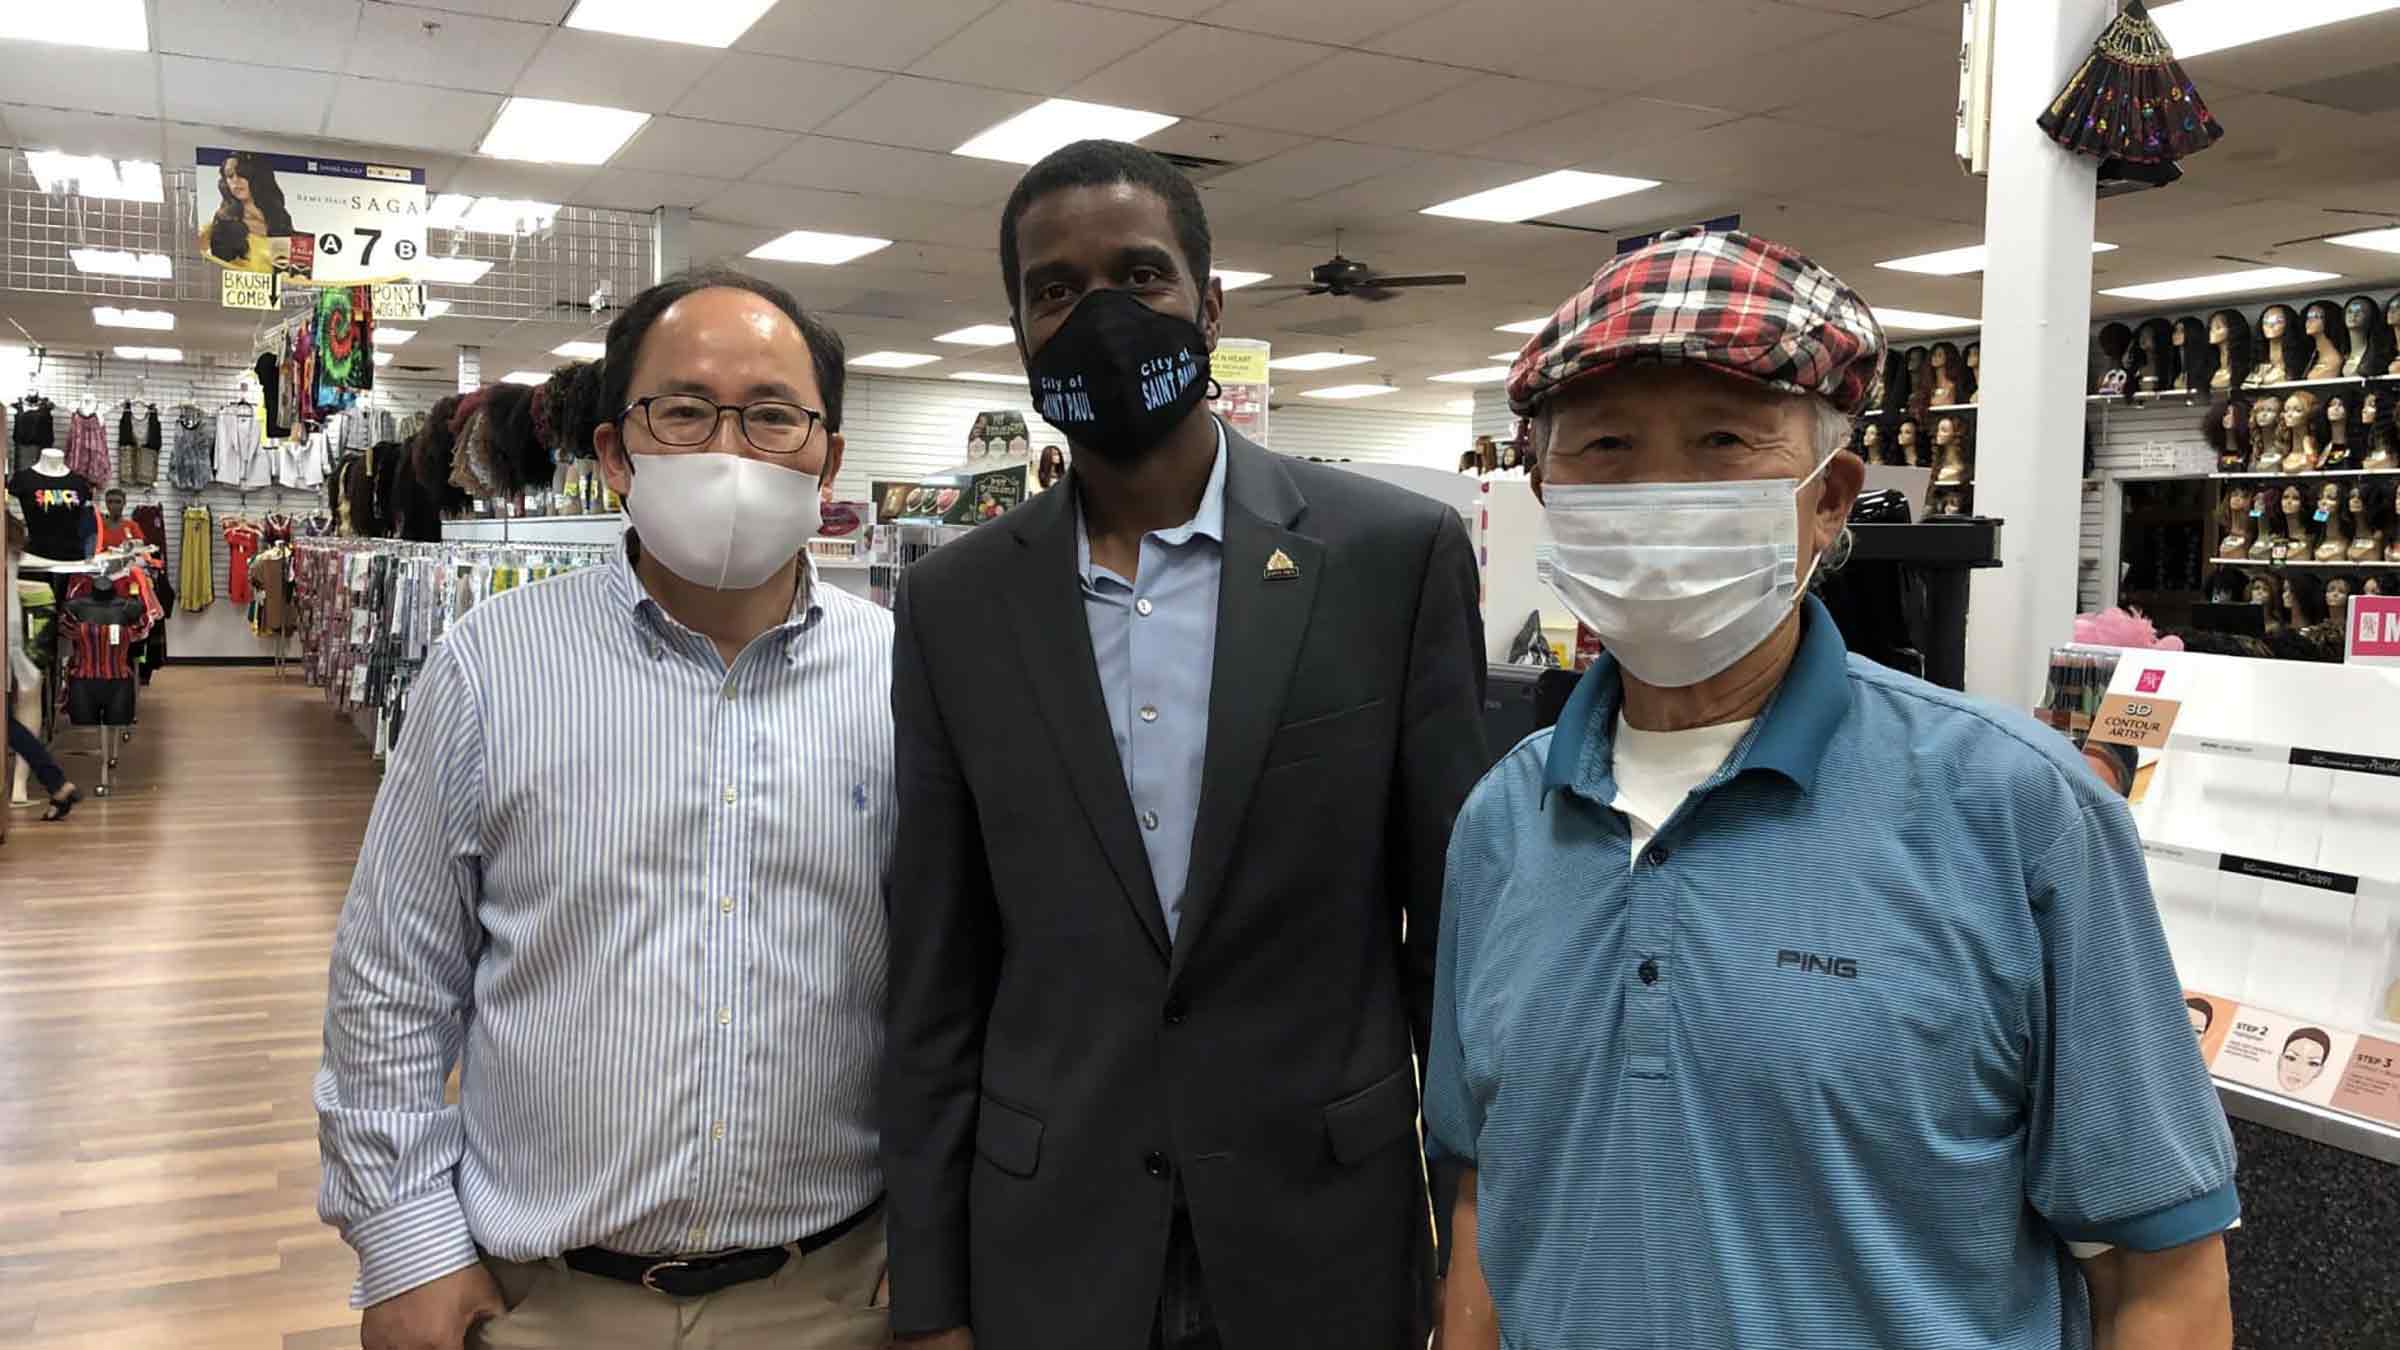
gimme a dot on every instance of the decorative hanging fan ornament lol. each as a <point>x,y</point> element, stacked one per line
<point>2131,106</point>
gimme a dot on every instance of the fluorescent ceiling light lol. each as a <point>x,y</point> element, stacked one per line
<point>988,377</point>
<point>156,320</point>
<point>549,132</point>
<point>1234,281</point>
<point>119,25</point>
<point>1479,375</point>
<point>979,335</point>
<point>893,360</point>
<point>1560,191</point>
<point>435,309</point>
<point>447,210</point>
<point>1350,391</point>
<point>1459,405</point>
<point>2381,241</point>
<point>2220,283</point>
<point>526,377</point>
<point>451,272</point>
<point>1920,321</point>
<point>383,358</point>
<point>392,337</point>
<point>1955,262</point>
<point>131,180</point>
<point>2198,27</point>
<point>116,262</point>
<point>1044,127</point>
<point>825,250</point>
<point>699,23</point>
<point>581,350</point>
<point>1522,326</point>
<point>1509,357</point>
<point>1318,361</point>
<point>150,353</point>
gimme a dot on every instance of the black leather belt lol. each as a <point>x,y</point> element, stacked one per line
<point>698,1276</point>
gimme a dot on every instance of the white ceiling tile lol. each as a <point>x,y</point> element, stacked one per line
<point>441,119</point>
<point>1341,91</point>
<point>1335,21</point>
<point>524,11</point>
<point>853,166</point>
<point>453,51</point>
<point>1168,9</point>
<point>1474,113</point>
<point>885,35</point>
<point>1901,68</point>
<point>235,95</point>
<point>1643,42</point>
<point>925,114</point>
<point>1427,179</point>
<point>1039,46</point>
<point>638,190</point>
<point>1196,67</point>
<point>1587,139</point>
<point>614,72</point>
<point>1220,140</point>
<point>775,209</point>
<point>1318,167</point>
<point>124,83</point>
<point>308,34</point>
<point>709,149</point>
<point>82,133</point>
<point>479,177</point>
<point>773,91</point>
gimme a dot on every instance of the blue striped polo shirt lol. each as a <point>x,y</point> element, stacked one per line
<point>1881,1019</point>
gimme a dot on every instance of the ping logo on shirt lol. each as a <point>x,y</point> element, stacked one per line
<point>1809,963</point>
<point>858,796</point>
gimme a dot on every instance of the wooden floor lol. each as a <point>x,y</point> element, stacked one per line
<point>162,980</point>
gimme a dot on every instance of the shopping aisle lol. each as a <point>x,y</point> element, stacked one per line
<point>162,977</point>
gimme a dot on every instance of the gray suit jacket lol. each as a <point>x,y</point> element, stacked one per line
<point>1056,1068</point>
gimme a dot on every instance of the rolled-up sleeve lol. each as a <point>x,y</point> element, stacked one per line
<point>2126,1142</point>
<point>397,1001</point>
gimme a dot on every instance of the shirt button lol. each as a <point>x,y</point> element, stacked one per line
<point>1155,1164</point>
<point>1175,1011</point>
<point>1150,820</point>
<point>1658,855</point>
<point>1149,714</point>
<point>1648,970</point>
<point>725,904</point>
<point>729,796</point>
<point>729,693</point>
<point>717,1132</point>
<point>724,1017</point>
<point>1142,606</point>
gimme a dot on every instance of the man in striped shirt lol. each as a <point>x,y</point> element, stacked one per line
<point>626,875</point>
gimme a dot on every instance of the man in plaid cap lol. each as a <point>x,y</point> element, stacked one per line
<point>1784,1000</point>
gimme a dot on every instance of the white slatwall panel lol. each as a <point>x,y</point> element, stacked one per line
<point>68,378</point>
<point>1491,416</point>
<point>2120,431</point>
<point>898,428</point>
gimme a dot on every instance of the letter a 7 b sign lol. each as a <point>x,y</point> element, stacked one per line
<point>2375,630</point>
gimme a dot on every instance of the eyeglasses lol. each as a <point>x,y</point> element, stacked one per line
<point>684,420</point>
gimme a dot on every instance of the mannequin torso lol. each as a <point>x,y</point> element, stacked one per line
<point>1950,453</point>
<point>2223,379</point>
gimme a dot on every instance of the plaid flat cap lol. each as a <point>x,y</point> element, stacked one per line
<point>1727,300</point>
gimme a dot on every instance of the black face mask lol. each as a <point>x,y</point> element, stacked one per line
<point>1118,375</point>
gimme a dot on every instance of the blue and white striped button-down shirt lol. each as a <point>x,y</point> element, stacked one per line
<point>637,898</point>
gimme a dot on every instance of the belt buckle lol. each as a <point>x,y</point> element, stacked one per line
<point>649,1280</point>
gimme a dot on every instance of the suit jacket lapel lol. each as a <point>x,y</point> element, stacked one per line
<point>1056,639</point>
<point>1261,620</point>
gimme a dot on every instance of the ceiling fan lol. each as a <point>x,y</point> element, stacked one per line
<point>1349,277</point>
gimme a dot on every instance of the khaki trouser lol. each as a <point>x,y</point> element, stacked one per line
<point>823,1301</point>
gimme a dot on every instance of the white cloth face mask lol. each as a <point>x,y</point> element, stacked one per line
<point>727,522</point>
<point>1679,580</point>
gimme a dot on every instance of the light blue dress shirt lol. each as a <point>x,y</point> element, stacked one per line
<point>1881,1019</point>
<point>1154,640</point>
<point>637,897</point>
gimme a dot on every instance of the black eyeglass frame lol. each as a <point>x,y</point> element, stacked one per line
<point>815,419</point>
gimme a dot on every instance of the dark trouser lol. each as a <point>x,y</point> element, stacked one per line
<point>1185,1319</point>
<point>28,747</point>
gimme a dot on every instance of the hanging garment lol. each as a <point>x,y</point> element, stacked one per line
<point>34,426</point>
<point>87,448</point>
<point>241,545</point>
<point>137,447</point>
<point>125,428</point>
<point>270,396</point>
<point>241,455</point>
<point>344,334</point>
<point>196,578</point>
<point>153,520</point>
<point>194,462</point>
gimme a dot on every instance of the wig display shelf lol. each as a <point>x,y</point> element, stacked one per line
<point>1955,408</point>
<point>2270,564</point>
<point>2314,473</point>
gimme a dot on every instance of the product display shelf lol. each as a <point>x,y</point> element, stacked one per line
<point>1955,408</point>
<point>2311,473</point>
<point>2375,565</point>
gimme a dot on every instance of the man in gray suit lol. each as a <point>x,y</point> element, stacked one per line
<point>1179,745</point>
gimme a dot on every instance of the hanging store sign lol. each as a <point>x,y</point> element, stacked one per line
<point>400,300</point>
<point>310,220</point>
<point>249,290</point>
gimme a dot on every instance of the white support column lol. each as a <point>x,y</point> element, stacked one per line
<point>670,243</point>
<point>2037,312</point>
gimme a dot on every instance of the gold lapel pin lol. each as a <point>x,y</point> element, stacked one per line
<point>1280,567</point>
